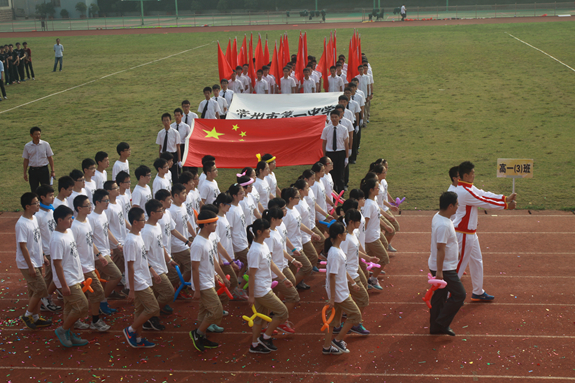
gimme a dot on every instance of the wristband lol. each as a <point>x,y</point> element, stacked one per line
<point>292,260</point>
<point>354,284</point>
<point>283,280</point>
<point>100,253</point>
<point>187,242</point>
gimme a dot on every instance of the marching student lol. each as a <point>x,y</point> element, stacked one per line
<point>261,296</point>
<point>287,84</point>
<point>89,169</point>
<point>261,184</point>
<point>321,210</point>
<point>250,172</point>
<point>142,192</point>
<point>342,74</point>
<point>390,224</point>
<point>209,189</point>
<point>248,204</point>
<point>65,189</point>
<point>169,140</point>
<point>238,225</point>
<point>235,84</point>
<point>311,199</point>
<point>29,260</point>
<point>335,82</point>
<point>209,108</point>
<point>204,269</point>
<point>335,145</point>
<point>221,100</point>
<point>308,84</point>
<point>183,128</point>
<point>205,159</point>
<point>170,160</point>
<point>122,164</point>
<point>102,162</point>
<point>139,281</point>
<point>193,199</point>
<point>327,179</point>
<point>160,182</point>
<point>271,177</point>
<point>83,235</point>
<point>227,94</point>
<point>68,276</point>
<point>117,222</point>
<point>79,180</point>
<point>159,259</point>
<point>124,198</point>
<point>262,86</point>
<point>307,213</point>
<point>338,292</point>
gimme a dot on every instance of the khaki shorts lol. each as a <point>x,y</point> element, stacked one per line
<point>118,259</point>
<point>98,295</point>
<point>363,269</point>
<point>318,244</point>
<point>211,308</point>
<point>321,227</point>
<point>376,249</point>
<point>36,286</point>
<point>290,294</point>
<point>145,303</point>
<point>350,308</point>
<point>306,267</point>
<point>360,297</point>
<point>270,303</point>
<point>310,253</point>
<point>242,256</point>
<point>183,257</point>
<point>395,224</point>
<point>363,276</point>
<point>228,270</point>
<point>163,291</point>
<point>110,272</point>
<point>76,304</point>
<point>48,271</point>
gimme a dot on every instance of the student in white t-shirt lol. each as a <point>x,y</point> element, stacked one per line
<point>29,260</point>
<point>78,189</point>
<point>261,297</point>
<point>262,86</point>
<point>125,200</point>
<point>442,263</point>
<point>205,159</point>
<point>387,219</point>
<point>68,276</point>
<point>209,189</point>
<point>65,189</point>
<point>271,177</point>
<point>180,250</point>
<point>193,199</point>
<point>122,164</point>
<point>248,204</point>
<point>250,172</point>
<point>307,213</point>
<point>221,100</point>
<point>161,182</point>
<point>238,224</point>
<point>287,84</point>
<point>116,213</point>
<point>308,83</point>
<point>139,278</point>
<point>338,292</point>
<point>142,192</point>
<point>204,269</point>
<point>261,184</point>
<point>102,163</point>
<point>89,169</point>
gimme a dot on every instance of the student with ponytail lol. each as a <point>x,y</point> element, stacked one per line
<point>280,203</point>
<point>327,179</point>
<point>271,178</point>
<point>307,214</point>
<point>248,204</point>
<point>250,172</point>
<point>282,260</point>
<point>237,218</point>
<point>321,198</point>
<point>388,218</point>
<point>261,295</point>
<point>261,185</point>
<point>352,203</point>
<point>338,293</point>
<point>311,199</point>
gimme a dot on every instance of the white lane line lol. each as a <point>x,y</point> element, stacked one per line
<point>483,252</point>
<point>488,232</point>
<point>545,53</point>
<point>106,76</point>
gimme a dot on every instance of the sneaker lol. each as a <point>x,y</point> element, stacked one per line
<point>439,331</point>
<point>28,321</point>
<point>285,327</point>
<point>48,305</point>
<point>225,313</point>
<point>215,328</point>
<point>482,298</point>
<point>166,310</point>
<point>130,337</point>
<point>374,283</point>
<point>126,291</point>
<point>197,340</point>
<point>369,287</point>
<point>259,349</point>
<point>302,286</point>
<point>341,345</point>
<point>273,333</point>
<point>105,309</point>
<point>391,249</point>
<point>116,296</point>
<point>145,344</point>
<point>153,324</point>
<point>42,322</point>
<point>332,350</point>
<point>63,337</point>
<point>79,325</point>
<point>77,341</point>
<point>33,78</point>
<point>359,329</point>
<point>208,343</point>
<point>99,326</point>
<point>337,330</point>
<point>315,269</point>
<point>267,343</point>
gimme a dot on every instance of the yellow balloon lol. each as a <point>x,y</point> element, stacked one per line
<point>250,320</point>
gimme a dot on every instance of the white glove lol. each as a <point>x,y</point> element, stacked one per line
<point>180,164</point>
<point>349,152</point>
<point>346,162</point>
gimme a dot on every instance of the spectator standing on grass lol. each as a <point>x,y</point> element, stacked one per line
<point>59,54</point>
<point>403,12</point>
<point>37,155</point>
<point>21,56</point>
<point>2,77</point>
<point>28,61</point>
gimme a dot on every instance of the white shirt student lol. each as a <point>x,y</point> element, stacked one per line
<point>100,226</point>
<point>173,142</point>
<point>222,103</point>
<point>153,242</point>
<point>187,118</point>
<point>28,232</point>
<point>120,166</point>
<point>135,251</point>
<point>202,251</point>
<point>183,129</point>
<point>335,83</point>
<point>260,258</point>
<point>236,85</point>
<point>308,85</point>
<point>262,86</point>
<point>63,247</point>
<point>443,231</point>
<point>228,94</point>
<point>161,183</point>
<point>211,110</point>
<point>288,85</point>
<point>209,191</point>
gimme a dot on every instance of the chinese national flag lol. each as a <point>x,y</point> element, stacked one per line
<point>266,54</point>
<point>224,68</point>
<point>235,143</point>
<point>234,59</point>
<point>275,69</point>
<point>287,56</point>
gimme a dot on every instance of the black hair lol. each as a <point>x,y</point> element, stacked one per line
<point>186,177</point>
<point>300,184</point>
<point>215,86</point>
<point>178,110</point>
<point>223,198</point>
<point>247,171</point>
<point>369,175</point>
<point>446,199</point>
<point>453,172</point>
<point>332,67</point>
<point>356,194</point>
<point>43,190</point>
<point>307,174</point>
<point>27,198</point>
<point>160,163</point>
<point>35,129</point>
<point>335,229</point>
<point>352,215</point>
<point>266,157</point>
<point>108,185</point>
<point>177,188</point>
<point>122,146</point>
<point>162,194</point>
<point>347,89</point>
<point>207,89</point>
<point>152,205</point>
<point>235,189</point>
<point>239,67</point>
<point>334,112</point>
<point>261,166</point>
<point>79,201</point>
<point>185,102</point>
<point>208,166</point>
<point>224,80</point>
<point>121,177</point>
<point>276,202</point>
<point>367,185</point>
<point>210,207</point>
<point>376,168</point>
<point>343,98</point>
<point>62,212</point>
<point>167,156</point>
<point>208,158</point>
<point>166,115</point>
<point>272,213</point>
<point>465,168</point>
<point>76,174</point>
<point>324,160</point>
<point>87,163</point>
<point>350,204</point>
<point>65,182</point>
<point>317,167</point>
<point>134,214</point>
<point>288,193</point>
<point>340,107</point>
<point>205,214</point>
<point>99,194</point>
<point>100,156</point>
<point>259,224</point>
<point>142,171</point>
<point>243,180</point>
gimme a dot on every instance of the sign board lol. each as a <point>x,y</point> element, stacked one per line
<point>514,168</point>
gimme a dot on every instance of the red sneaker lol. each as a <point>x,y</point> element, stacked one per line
<point>286,328</point>
<point>274,333</point>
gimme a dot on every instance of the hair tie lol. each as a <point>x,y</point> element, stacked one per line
<point>203,221</point>
<point>271,160</point>
<point>241,175</point>
<point>251,181</point>
<point>259,157</point>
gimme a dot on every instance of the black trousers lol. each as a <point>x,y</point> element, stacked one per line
<point>7,73</point>
<point>21,70</point>
<point>29,65</point>
<point>355,144</point>
<point>13,73</point>
<point>38,176</point>
<point>443,309</point>
<point>175,169</point>
<point>2,89</point>
<point>337,173</point>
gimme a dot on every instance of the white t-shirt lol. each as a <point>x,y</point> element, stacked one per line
<point>287,84</point>
<point>126,202</point>
<point>248,206</point>
<point>262,86</point>
<point>272,182</point>
<point>371,211</point>
<point>161,183</point>
<point>360,232</point>
<point>319,192</point>
<point>75,194</point>
<point>282,229</point>
<point>47,226</point>
<point>140,196</point>
<point>223,231</point>
<point>443,231</point>
<point>335,84</point>
<point>292,221</point>
<point>209,190</point>
<point>350,248</point>
<point>83,236</point>
<point>336,261</point>
<point>28,231</point>
<point>263,189</point>
<point>202,251</point>
<point>193,201</point>
<point>307,217</point>
<point>135,251</point>
<point>100,225</point>
<point>100,178</point>
<point>167,224</point>
<point>90,189</point>
<point>63,247</point>
<point>180,217</point>
<point>153,241</point>
<point>201,180</point>
<point>327,182</point>
<point>260,258</point>
<point>255,195</point>
<point>309,85</point>
<point>382,196</point>
<point>237,220</point>
<point>58,202</point>
<point>276,245</point>
<point>116,221</point>
<point>310,199</point>
<point>120,166</point>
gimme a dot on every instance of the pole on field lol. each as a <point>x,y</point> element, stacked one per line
<point>447,5</point>
<point>176,10</point>
<point>316,5</point>
<point>142,10</point>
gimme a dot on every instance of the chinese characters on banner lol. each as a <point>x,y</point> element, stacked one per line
<point>514,168</point>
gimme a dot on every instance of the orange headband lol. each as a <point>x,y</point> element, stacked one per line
<point>209,220</point>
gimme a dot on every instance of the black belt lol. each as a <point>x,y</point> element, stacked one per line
<point>38,167</point>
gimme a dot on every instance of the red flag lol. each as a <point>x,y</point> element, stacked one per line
<point>305,46</point>
<point>244,53</point>
<point>251,70</point>
<point>259,54</point>
<point>281,63</point>
<point>275,69</point>
<point>326,57</point>
<point>352,61</point>
<point>229,53</point>
<point>287,56</point>
<point>266,54</point>
<point>300,63</point>
<point>234,62</point>
<point>294,141</point>
<point>224,68</point>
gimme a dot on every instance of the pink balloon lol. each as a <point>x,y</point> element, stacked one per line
<point>274,284</point>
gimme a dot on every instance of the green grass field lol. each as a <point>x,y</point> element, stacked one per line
<point>444,94</point>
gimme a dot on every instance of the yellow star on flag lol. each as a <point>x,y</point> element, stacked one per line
<point>235,127</point>
<point>243,134</point>
<point>213,134</point>
<point>242,140</point>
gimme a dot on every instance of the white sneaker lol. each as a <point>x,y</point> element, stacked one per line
<point>391,249</point>
<point>59,294</point>
<point>99,326</point>
<point>79,325</point>
<point>48,305</point>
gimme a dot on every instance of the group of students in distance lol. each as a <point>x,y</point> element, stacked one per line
<point>99,229</point>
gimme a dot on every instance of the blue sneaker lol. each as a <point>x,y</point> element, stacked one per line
<point>130,337</point>
<point>166,310</point>
<point>315,269</point>
<point>482,298</point>
<point>105,309</point>
<point>359,329</point>
<point>145,344</point>
<point>215,328</point>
